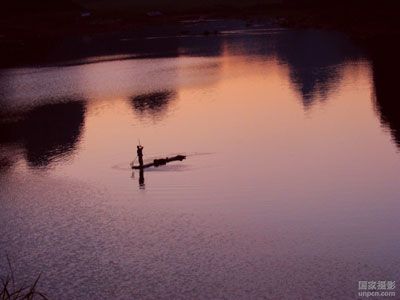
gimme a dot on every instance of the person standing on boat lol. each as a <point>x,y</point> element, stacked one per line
<point>140,155</point>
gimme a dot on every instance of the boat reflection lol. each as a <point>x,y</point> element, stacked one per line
<point>141,179</point>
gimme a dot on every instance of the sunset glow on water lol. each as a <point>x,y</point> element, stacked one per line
<point>291,177</point>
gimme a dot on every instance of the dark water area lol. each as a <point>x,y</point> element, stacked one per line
<point>46,131</point>
<point>290,188</point>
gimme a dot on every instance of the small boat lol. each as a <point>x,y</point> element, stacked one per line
<point>159,162</point>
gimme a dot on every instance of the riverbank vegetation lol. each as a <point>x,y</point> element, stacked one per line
<point>10,290</point>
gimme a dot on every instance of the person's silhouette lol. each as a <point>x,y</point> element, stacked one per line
<point>140,155</point>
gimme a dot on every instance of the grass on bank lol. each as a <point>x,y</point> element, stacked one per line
<point>10,291</point>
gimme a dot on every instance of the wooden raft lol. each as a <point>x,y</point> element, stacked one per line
<point>159,162</point>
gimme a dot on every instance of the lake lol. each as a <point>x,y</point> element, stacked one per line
<point>290,188</point>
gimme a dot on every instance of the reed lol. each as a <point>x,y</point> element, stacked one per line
<point>9,290</point>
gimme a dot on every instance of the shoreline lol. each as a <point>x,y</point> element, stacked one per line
<point>21,45</point>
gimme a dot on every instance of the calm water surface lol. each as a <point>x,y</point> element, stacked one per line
<point>290,188</point>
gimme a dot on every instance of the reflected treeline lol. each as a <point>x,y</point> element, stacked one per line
<point>154,104</point>
<point>315,59</point>
<point>385,67</point>
<point>45,132</point>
